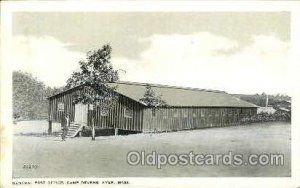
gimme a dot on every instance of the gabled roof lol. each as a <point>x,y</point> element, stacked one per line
<point>180,96</point>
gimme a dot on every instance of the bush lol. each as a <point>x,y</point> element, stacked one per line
<point>265,117</point>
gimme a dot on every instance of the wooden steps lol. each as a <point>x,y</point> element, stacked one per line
<point>73,130</point>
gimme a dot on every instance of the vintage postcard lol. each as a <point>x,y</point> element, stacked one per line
<point>150,94</point>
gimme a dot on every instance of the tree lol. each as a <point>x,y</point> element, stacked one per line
<point>151,99</point>
<point>95,73</point>
<point>30,96</point>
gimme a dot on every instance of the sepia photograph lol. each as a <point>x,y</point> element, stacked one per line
<point>149,94</point>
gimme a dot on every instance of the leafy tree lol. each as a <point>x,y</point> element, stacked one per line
<point>260,99</point>
<point>96,72</point>
<point>30,97</point>
<point>151,99</point>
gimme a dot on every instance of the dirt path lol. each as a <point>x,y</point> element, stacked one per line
<point>80,157</point>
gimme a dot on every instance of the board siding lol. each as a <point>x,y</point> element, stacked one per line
<point>165,119</point>
<point>114,119</point>
<point>183,118</point>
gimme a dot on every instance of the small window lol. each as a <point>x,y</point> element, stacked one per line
<point>104,112</point>
<point>194,115</point>
<point>230,112</point>
<point>164,113</point>
<point>60,107</point>
<point>175,113</point>
<point>128,112</point>
<point>202,113</point>
<point>224,113</point>
<point>153,112</point>
<point>185,114</point>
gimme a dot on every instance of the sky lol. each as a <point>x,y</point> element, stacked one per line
<point>236,52</point>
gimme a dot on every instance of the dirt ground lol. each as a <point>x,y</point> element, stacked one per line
<point>48,156</point>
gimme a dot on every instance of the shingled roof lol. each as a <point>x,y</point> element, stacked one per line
<point>183,97</point>
<point>179,96</point>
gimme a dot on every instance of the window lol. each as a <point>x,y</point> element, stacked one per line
<point>104,112</point>
<point>60,107</point>
<point>230,112</point>
<point>164,113</point>
<point>212,112</point>
<point>153,112</point>
<point>128,112</point>
<point>185,114</point>
<point>202,113</point>
<point>175,113</point>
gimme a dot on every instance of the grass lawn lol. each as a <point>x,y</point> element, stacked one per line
<point>106,157</point>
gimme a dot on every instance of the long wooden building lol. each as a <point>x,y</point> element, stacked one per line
<point>188,108</point>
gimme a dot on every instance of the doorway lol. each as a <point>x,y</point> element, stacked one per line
<point>81,114</point>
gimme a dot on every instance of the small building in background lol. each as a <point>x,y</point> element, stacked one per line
<point>268,110</point>
<point>284,105</point>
